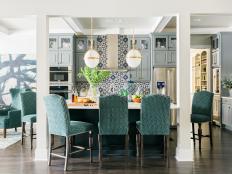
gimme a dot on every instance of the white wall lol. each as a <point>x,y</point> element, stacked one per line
<point>23,42</point>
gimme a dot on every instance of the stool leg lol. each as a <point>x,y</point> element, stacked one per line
<point>4,133</point>
<point>15,129</point>
<point>31,132</point>
<point>141,149</point>
<point>137,144</point>
<point>100,147</point>
<point>127,145</point>
<point>167,149</point>
<point>210,133</point>
<point>199,134</point>
<point>67,142</point>
<point>23,131</point>
<point>193,130</point>
<point>50,148</point>
<point>90,146</point>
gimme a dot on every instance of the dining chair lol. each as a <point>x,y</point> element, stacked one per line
<point>59,124</point>
<point>10,116</point>
<point>202,113</point>
<point>28,102</point>
<point>113,119</point>
<point>154,120</point>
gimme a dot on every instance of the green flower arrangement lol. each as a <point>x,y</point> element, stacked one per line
<point>227,83</point>
<point>94,76</point>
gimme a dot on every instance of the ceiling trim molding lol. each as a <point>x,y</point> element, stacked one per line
<point>162,23</point>
<point>5,30</point>
<point>75,25</point>
<point>209,30</point>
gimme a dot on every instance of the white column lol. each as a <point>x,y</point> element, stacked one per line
<point>184,150</point>
<point>41,152</point>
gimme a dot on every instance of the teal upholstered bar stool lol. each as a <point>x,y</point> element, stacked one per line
<point>202,113</point>
<point>154,120</point>
<point>10,117</point>
<point>113,119</point>
<point>59,124</point>
<point>28,101</point>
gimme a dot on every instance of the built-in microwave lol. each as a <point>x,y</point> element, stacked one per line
<point>61,74</point>
<point>62,90</point>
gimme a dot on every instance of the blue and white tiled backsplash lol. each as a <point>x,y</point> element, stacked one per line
<point>117,80</point>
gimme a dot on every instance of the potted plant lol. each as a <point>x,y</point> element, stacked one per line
<point>227,84</point>
<point>94,77</point>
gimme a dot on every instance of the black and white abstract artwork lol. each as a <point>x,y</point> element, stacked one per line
<point>16,70</point>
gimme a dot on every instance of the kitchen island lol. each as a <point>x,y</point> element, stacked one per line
<point>90,113</point>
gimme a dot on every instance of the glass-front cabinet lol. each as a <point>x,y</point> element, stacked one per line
<point>53,43</point>
<point>143,44</point>
<point>65,42</point>
<point>161,42</point>
<point>164,50</point>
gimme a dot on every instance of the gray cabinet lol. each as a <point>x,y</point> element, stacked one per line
<point>227,112</point>
<point>217,109</point>
<point>65,58</point>
<point>80,63</point>
<point>143,71</point>
<point>164,50</point>
<point>66,43</point>
<point>83,43</point>
<point>159,58</point>
<point>60,50</point>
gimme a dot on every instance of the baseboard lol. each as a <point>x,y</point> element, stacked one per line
<point>184,154</point>
<point>41,154</point>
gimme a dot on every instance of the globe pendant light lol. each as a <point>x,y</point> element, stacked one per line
<point>91,57</point>
<point>133,57</point>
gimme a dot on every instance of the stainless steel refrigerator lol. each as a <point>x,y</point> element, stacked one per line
<point>164,82</point>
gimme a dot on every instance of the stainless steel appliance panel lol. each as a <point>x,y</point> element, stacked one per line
<point>167,75</point>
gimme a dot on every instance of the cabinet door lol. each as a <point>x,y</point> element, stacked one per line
<point>216,59</point>
<point>53,58</point>
<point>144,44</point>
<point>171,58</point>
<point>172,42</point>
<point>225,113</point>
<point>217,108</point>
<point>66,43</point>
<point>146,66</point>
<point>80,63</point>
<point>159,58</point>
<point>65,58</point>
<point>53,43</point>
<point>81,44</point>
<point>161,42</point>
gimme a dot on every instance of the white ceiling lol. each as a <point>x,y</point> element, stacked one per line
<point>202,24</point>
<point>207,24</point>
<point>13,25</point>
<point>121,25</point>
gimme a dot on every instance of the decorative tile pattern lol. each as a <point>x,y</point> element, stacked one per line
<point>101,48</point>
<point>117,80</point>
<point>122,51</point>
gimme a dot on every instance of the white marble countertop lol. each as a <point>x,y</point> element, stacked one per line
<point>131,105</point>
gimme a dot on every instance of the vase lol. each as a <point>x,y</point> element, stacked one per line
<point>230,92</point>
<point>93,93</point>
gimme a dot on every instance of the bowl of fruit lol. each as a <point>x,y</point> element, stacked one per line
<point>136,98</point>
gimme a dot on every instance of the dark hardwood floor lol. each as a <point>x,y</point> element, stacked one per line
<point>19,160</point>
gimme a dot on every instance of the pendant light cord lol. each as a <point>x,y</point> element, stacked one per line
<point>133,39</point>
<point>91,33</point>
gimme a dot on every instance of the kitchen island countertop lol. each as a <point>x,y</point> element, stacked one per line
<point>131,105</point>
